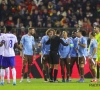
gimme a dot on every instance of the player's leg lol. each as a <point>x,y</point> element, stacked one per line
<point>62,65</point>
<point>30,59</point>
<point>44,63</point>
<point>12,65</point>
<point>55,62</point>
<point>51,72</point>
<point>72,62</point>
<point>0,71</point>
<point>68,64</point>
<point>81,68</point>
<point>2,75</point>
<point>77,63</point>
<point>98,66</point>
<point>4,65</point>
<point>24,62</point>
<point>51,67</point>
<point>0,64</point>
<point>92,67</point>
<point>7,71</point>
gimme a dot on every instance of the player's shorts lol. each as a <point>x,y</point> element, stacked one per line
<point>45,59</point>
<point>65,61</point>
<point>74,59</point>
<point>81,60</point>
<point>8,62</point>
<point>62,61</point>
<point>1,60</point>
<point>54,57</point>
<point>28,58</point>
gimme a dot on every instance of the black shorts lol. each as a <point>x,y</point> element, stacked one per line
<point>45,59</point>
<point>54,57</point>
<point>65,61</point>
<point>82,60</point>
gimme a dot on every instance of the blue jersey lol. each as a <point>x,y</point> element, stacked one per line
<point>65,51</point>
<point>86,49</point>
<point>82,50</point>
<point>45,48</point>
<point>93,44</point>
<point>75,42</point>
<point>27,42</point>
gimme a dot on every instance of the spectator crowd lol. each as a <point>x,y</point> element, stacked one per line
<point>21,14</point>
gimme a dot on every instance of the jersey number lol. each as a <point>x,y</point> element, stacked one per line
<point>10,43</point>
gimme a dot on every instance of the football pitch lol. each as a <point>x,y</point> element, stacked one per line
<point>38,84</point>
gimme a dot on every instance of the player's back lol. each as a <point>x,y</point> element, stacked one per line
<point>10,40</point>
<point>2,47</point>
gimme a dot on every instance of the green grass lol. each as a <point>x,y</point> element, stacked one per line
<point>38,84</point>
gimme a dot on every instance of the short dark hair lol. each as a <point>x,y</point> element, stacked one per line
<point>8,28</point>
<point>93,34</point>
<point>58,32</point>
<point>98,26</point>
<point>30,28</point>
<point>79,30</point>
<point>84,33</point>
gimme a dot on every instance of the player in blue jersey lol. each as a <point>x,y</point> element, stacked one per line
<point>45,51</point>
<point>82,43</point>
<point>86,49</point>
<point>27,44</point>
<point>74,53</point>
<point>65,58</point>
<point>93,55</point>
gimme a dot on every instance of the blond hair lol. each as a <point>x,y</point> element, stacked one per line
<point>50,29</point>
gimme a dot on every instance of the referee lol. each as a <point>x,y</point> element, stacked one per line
<point>54,42</point>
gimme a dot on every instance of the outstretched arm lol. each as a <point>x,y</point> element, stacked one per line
<point>63,43</point>
<point>48,42</point>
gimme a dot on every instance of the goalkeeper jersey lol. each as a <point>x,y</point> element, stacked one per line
<point>97,37</point>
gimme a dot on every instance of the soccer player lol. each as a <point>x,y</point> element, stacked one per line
<point>82,43</point>
<point>92,55</point>
<point>7,71</point>
<point>74,52</point>
<point>45,51</point>
<point>54,42</point>
<point>86,49</point>
<point>65,58</point>
<point>27,44</point>
<point>9,55</point>
<point>1,53</point>
<point>97,36</point>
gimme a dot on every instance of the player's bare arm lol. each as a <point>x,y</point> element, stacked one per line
<point>18,46</point>
<point>34,50</point>
<point>94,52</point>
